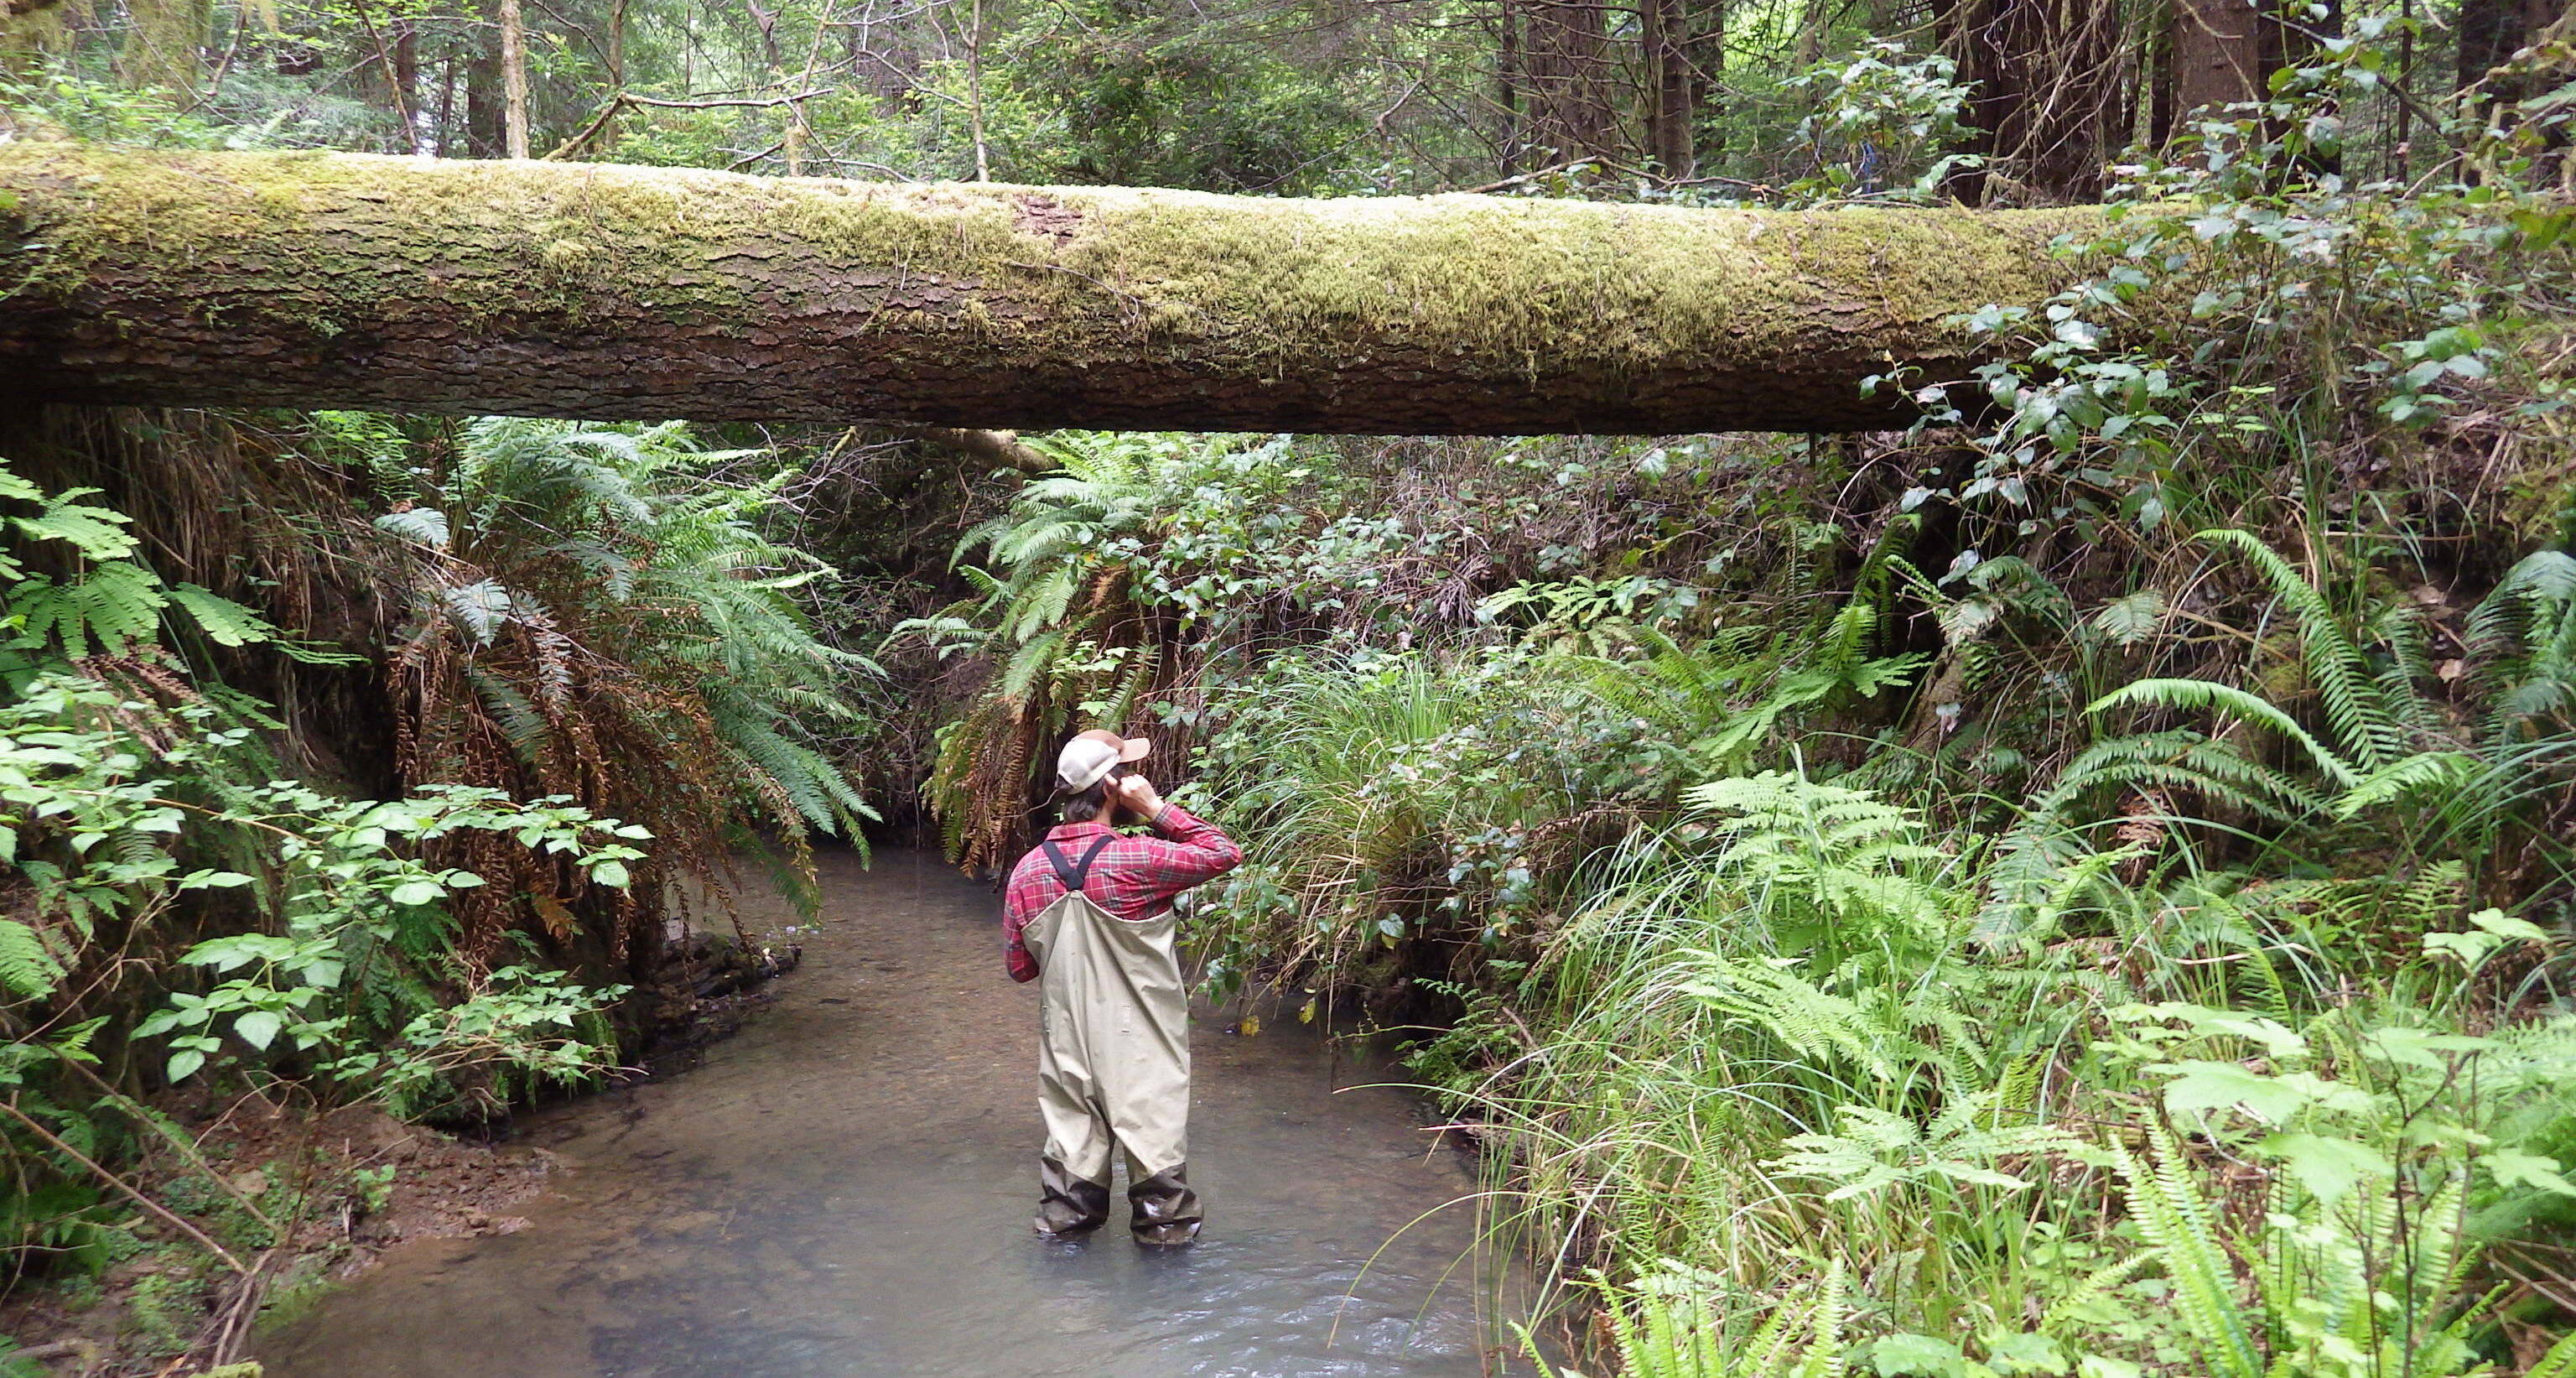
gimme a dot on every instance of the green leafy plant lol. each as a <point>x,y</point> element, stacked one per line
<point>92,595</point>
<point>595,615</point>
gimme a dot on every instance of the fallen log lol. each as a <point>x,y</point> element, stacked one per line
<point>550,289</point>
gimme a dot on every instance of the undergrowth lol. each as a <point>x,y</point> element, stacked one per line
<point>2080,887</point>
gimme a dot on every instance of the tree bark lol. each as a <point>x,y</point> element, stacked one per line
<point>2222,52</point>
<point>30,31</point>
<point>2492,31</point>
<point>167,47</point>
<point>514,81</point>
<point>1666,39</point>
<point>2051,104</point>
<point>555,289</point>
<point>1507,81</point>
<point>1565,68</point>
<point>484,134</point>
<point>616,70</point>
<point>1705,56</point>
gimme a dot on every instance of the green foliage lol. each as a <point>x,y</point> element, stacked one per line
<point>2386,749</point>
<point>1059,625</point>
<point>106,111</point>
<point>1138,97</point>
<point>1885,122</point>
<point>99,599</point>
<point>595,613</point>
<point>1902,904</point>
<point>1658,1330</point>
<point>102,820</point>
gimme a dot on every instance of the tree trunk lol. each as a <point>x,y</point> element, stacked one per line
<point>2492,31</point>
<point>1566,69</point>
<point>1665,26</point>
<point>514,81</point>
<point>616,45</point>
<point>2050,107</point>
<point>552,289</point>
<point>1507,80</point>
<point>484,134</point>
<point>1705,56</point>
<point>167,48</point>
<point>2221,52</point>
<point>407,85</point>
<point>445,130</point>
<point>30,32</point>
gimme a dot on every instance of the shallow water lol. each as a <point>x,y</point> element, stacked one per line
<point>844,1189</point>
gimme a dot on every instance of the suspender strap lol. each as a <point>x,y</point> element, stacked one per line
<point>1073,873</point>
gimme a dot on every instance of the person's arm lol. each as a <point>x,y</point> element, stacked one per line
<point>1016,912</point>
<point>1186,849</point>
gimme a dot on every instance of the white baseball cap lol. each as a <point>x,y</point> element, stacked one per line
<point>1091,755</point>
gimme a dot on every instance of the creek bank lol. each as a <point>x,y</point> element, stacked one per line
<point>335,1191</point>
<point>311,1201</point>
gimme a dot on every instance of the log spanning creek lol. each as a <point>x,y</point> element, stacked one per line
<point>843,1190</point>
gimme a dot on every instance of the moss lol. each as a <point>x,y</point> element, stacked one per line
<point>1518,278</point>
<point>324,242</point>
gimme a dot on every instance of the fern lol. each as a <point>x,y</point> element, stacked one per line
<point>2430,770</point>
<point>112,608</point>
<point>2559,1362</point>
<point>420,525</point>
<point>2185,760</point>
<point>1029,666</point>
<point>2199,695</point>
<point>480,607</point>
<point>2354,703</point>
<point>94,533</point>
<point>2523,637</point>
<point>1660,1329</point>
<point>1845,848</point>
<point>26,967</point>
<point>2175,1220</point>
<point>1813,1023</point>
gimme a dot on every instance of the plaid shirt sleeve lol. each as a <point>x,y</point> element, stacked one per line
<point>1149,871</point>
<point>1021,901</point>
<point>1135,877</point>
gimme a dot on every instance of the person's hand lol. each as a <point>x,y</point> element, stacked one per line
<point>1137,793</point>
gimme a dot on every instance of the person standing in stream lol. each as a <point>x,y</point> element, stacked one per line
<point>1088,915</point>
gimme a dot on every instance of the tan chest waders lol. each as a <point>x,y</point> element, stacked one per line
<point>1113,1062</point>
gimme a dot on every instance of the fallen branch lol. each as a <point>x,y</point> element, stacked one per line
<point>203,1240</point>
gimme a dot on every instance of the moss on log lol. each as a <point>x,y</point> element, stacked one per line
<point>340,280</point>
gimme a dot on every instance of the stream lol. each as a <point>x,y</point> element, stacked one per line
<point>843,1190</point>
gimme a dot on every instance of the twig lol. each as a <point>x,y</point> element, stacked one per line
<point>995,447</point>
<point>748,159</point>
<point>1611,165</point>
<point>196,1155</point>
<point>608,110</point>
<point>897,174</point>
<point>240,1310</point>
<point>223,67</point>
<point>714,104</point>
<point>402,96</point>
<point>1518,178</point>
<point>203,1239</point>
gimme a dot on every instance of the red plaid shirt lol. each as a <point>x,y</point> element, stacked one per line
<point>1133,878</point>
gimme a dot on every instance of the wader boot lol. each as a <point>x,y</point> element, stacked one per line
<point>1113,1063</point>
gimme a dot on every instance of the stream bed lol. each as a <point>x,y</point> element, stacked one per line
<point>843,1190</point>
